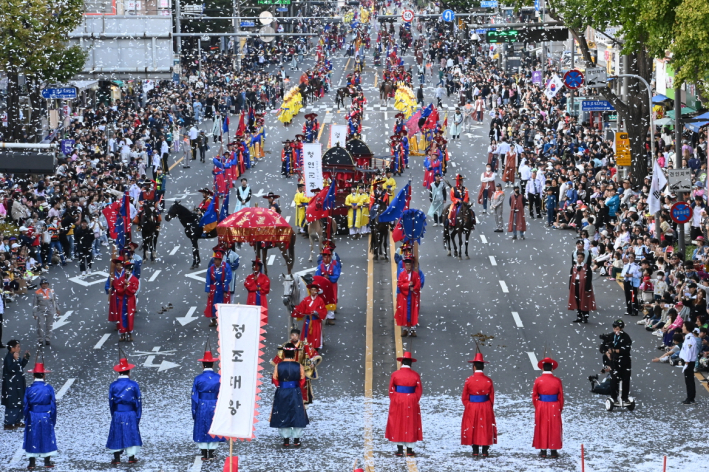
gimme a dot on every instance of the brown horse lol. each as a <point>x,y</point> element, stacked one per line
<point>464,223</point>
<point>287,251</point>
<point>386,91</point>
<point>343,92</point>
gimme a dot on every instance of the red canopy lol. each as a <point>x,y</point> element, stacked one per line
<point>251,225</point>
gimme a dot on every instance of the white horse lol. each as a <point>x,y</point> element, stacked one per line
<point>294,289</point>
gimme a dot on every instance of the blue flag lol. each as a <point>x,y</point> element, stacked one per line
<point>397,206</point>
<point>329,201</point>
<point>224,212</point>
<point>413,223</point>
<point>123,222</point>
<point>208,222</point>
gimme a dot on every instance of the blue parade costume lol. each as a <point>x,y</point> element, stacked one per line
<point>40,414</point>
<point>288,412</point>
<point>125,402</point>
<point>204,400</point>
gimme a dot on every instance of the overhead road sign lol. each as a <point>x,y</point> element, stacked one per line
<point>489,4</point>
<point>448,16</point>
<point>596,105</point>
<point>407,15</point>
<point>504,36</point>
<point>63,93</point>
<point>247,24</point>
<point>573,79</point>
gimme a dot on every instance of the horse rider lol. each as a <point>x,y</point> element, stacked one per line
<point>272,205</point>
<point>206,200</point>
<point>458,193</point>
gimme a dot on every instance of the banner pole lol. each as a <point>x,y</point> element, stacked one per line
<point>231,454</point>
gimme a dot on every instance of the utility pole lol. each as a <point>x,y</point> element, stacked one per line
<point>544,44</point>
<point>678,154</point>
<point>237,29</point>
<point>178,14</point>
<point>573,66</point>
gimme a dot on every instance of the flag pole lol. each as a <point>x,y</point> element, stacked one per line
<point>231,454</point>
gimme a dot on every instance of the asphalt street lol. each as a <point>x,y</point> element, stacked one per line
<point>511,293</point>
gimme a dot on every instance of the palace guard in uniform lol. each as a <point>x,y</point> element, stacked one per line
<point>306,356</point>
<point>126,405</point>
<point>478,427</point>
<point>548,399</point>
<point>205,390</point>
<point>288,413</point>
<point>40,412</point>
<point>404,422</point>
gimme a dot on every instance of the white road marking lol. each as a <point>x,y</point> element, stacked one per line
<point>197,464</point>
<point>154,276</point>
<point>271,258</point>
<point>504,287</point>
<point>483,239</point>
<point>63,319</point>
<point>65,388</point>
<point>533,360</point>
<point>493,261</point>
<point>104,338</point>
<point>454,164</point>
<point>327,119</point>
<point>188,317</point>
<point>17,456</point>
<point>364,138</point>
<point>386,116</point>
<point>518,320</point>
<point>288,218</point>
<point>196,276</point>
<point>174,250</point>
<point>292,204</point>
<point>93,278</point>
<point>259,193</point>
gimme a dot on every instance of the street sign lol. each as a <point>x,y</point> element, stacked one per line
<point>680,180</point>
<point>681,213</point>
<point>537,5</point>
<point>489,4</point>
<point>573,79</point>
<point>282,9</point>
<point>448,15</point>
<point>247,24</point>
<point>537,77</point>
<point>266,33</point>
<point>504,36</point>
<point>67,146</point>
<point>622,149</point>
<point>596,105</point>
<point>65,93</point>
<point>407,15</point>
<point>596,77</point>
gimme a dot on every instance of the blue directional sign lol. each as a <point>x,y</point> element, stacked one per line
<point>281,9</point>
<point>65,93</point>
<point>596,105</point>
<point>448,15</point>
<point>67,146</point>
<point>247,24</point>
<point>489,4</point>
<point>537,5</point>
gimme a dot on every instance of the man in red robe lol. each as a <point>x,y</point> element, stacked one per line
<point>312,310</point>
<point>258,285</point>
<point>581,296</point>
<point>404,423</point>
<point>331,270</point>
<point>478,427</point>
<point>113,306</point>
<point>408,299</point>
<point>217,284</point>
<point>548,399</point>
<point>517,221</point>
<point>125,288</point>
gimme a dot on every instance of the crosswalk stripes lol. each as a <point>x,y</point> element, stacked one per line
<point>330,109</point>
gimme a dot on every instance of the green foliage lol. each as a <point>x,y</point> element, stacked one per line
<point>690,48</point>
<point>33,37</point>
<point>460,6</point>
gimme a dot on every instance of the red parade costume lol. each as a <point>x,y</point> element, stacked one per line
<point>404,421</point>
<point>408,299</point>
<point>258,288</point>
<point>478,426</point>
<point>313,311</point>
<point>124,292</point>
<point>548,399</point>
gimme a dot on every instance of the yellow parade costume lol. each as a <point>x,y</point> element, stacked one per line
<point>390,186</point>
<point>405,100</point>
<point>292,103</point>
<point>301,202</point>
<point>356,217</point>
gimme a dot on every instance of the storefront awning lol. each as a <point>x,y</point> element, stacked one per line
<point>695,125</point>
<point>659,98</point>
<point>685,111</point>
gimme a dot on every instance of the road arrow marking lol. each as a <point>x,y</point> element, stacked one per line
<point>197,464</point>
<point>62,391</point>
<point>91,279</point>
<point>196,276</point>
<point>154,276</point>
<point>174,250</point>
<point>187,319</point>
<point>104,338</point>
<point>63,319</point>
<point>164,365</point>
<point>260,193</point>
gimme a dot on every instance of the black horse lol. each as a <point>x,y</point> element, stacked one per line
<point>464,223</point>
<point>379,242</point>
<point>193,230</point>
<point>149,223</point>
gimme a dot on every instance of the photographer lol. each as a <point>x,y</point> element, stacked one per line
<point>619,356</point>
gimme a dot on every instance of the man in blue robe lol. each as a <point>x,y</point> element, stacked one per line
<point>40,412</point>
<point>288,413</point>
<point>204,400</point>
<point>125,402</point>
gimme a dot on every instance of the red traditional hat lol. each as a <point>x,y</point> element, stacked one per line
<point>218,254</point>
<point>328,243</point>
<point>257,261</point>
<point>548,360</point>
<point>118,260</point>
<point>459,180</point>
<point>310,116</point>
<point>134,245</point>
<point>208,354</point>
<point>479,358</point>
<point>39,366</point>
<point>407,355</point>
<point>399,115</point>
<point>326,251</point>
<point>314,286</point>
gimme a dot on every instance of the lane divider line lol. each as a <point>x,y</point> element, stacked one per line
<point>17,456</point>
<point>518,320</point>
<point>155,275</point>
<point>533,360</point>
<point>369,369</point>
<point>65,388</point>
<point>175,164</point>
<point>197,464</point>
<point>174,250</point>
<point>271,258</point>
<point>483,239</point>
<point>288,219</point>
<point>504,287</point>
<point>492,260</point>
<point>104,338</point>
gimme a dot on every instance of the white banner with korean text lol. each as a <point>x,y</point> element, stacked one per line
<point>338,135</point>
<point>312,168</point>
<point>239,339</point>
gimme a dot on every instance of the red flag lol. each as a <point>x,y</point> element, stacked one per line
<point>241,129</point>
<point>398,233</point>
<point>315,209</point>
<point>445,122</point>
<point>412,126</point>
<point>111,214</point>
<point>431,120</point>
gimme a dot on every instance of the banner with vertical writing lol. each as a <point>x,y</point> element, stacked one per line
<point>312,168</point>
